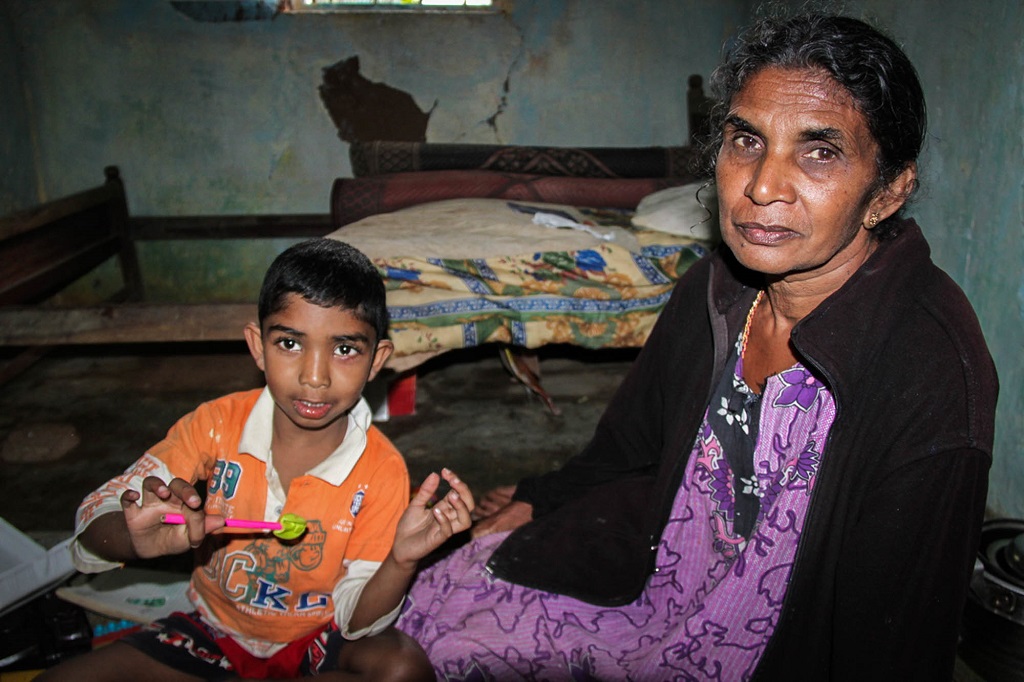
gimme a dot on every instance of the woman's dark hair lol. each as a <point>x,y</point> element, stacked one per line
<point>869,65</point>
<point>330,274</point>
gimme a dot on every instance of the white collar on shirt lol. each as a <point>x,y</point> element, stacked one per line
<point>259,429</point>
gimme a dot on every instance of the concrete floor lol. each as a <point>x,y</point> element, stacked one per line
<point>107,405</point>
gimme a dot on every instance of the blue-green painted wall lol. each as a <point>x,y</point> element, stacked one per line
<point>226,117</point>
<point>211,118</point>
<point>970,56</point>
<point>17,161</point>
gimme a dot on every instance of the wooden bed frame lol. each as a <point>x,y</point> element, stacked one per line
<point>46,248</point>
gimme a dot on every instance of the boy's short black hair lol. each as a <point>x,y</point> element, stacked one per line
<point>328,273</point>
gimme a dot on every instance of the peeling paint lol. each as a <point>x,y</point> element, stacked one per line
<point>364,110</point>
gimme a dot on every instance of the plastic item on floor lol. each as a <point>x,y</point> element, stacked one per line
<point>993,629</point>
<point>140,595</point>
<point>40,634</point>
<point>399,400</point>
<point>402,395</point>
<point>111,631</point>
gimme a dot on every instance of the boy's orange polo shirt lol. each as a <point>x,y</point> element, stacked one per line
<point>254,584</point>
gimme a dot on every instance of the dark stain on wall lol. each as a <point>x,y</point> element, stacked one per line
<point>364,110</point>
<point>218,10</point>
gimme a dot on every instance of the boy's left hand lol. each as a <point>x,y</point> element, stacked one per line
<point>423,529</point>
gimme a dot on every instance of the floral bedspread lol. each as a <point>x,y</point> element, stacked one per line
<point>606,296</point>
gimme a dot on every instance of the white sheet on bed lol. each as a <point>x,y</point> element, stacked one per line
<point>473,228</point>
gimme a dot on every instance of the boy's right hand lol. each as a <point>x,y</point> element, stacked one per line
<point>143,514</point>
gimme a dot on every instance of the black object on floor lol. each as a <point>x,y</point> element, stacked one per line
<point>993,631</point>
<point>42,633</point>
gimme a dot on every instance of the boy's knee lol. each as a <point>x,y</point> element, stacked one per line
<point>407,667</point>
<point>391,656</point>
<point>114,661</point>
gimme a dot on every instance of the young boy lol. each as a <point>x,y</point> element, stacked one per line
<point>267,607</point>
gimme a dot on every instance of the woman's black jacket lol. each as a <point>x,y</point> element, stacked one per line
<point>883,564</point>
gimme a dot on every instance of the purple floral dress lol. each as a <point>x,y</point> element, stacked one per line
<point>714,599</point>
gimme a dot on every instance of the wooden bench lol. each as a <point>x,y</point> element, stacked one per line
<point>47,248</point>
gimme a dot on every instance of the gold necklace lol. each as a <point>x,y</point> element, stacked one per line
<point>746,326</point>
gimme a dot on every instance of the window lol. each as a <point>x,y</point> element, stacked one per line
<point>396,5</point>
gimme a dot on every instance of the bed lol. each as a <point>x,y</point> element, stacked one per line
<point>478,248</point>
<point>464,272</point>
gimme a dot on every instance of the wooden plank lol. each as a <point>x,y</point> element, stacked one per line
<point>38,272</point>
<point>148,228</point>
<point>124,323</point>
<point>21,362</point>
<point>30,219</point>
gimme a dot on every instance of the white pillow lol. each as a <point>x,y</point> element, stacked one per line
<point>681,211</point>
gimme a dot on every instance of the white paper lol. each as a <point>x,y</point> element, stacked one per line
<point>27,569</point>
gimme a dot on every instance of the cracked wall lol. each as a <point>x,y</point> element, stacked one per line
<point>365,110</point>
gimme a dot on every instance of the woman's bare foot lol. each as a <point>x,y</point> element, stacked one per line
<point>493,501</point>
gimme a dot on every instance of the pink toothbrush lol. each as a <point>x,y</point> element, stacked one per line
<point>289,527</point>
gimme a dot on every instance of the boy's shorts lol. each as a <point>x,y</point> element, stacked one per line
<point>187,643</point>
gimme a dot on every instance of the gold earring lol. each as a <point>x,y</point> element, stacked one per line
<point>873,220</point>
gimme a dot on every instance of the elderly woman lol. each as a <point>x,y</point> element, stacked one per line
<point>791,480</point>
